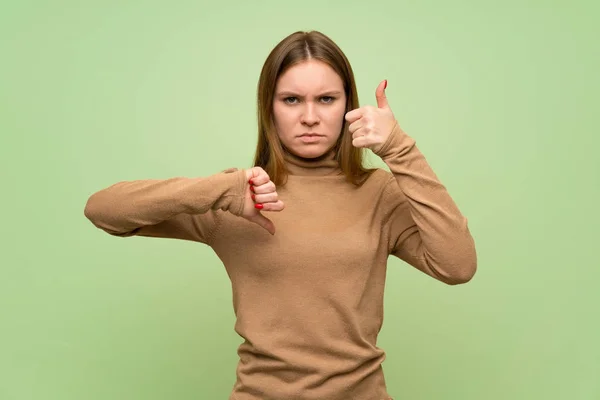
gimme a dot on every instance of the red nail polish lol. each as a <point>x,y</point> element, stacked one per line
<point>252,188</point>
<point>250,182</point>
<point>259,206</point>
<point>385,85</point>
<point>253,197</point>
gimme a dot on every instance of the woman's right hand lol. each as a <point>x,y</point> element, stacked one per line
<point>261,195</point>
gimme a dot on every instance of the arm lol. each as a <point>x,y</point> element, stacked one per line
<point>179,208</point>
<point>426,228</point>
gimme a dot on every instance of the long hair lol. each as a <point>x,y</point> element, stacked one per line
<point>296,48</point>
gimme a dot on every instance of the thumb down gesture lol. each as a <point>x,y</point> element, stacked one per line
<point>261,196</point>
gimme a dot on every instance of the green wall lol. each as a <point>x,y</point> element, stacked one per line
<point>502,98</point>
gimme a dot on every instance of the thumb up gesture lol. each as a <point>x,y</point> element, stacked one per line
<point>371,126</point>
<point>261,196</point>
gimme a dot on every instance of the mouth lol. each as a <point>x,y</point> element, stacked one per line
<point>308,138</point>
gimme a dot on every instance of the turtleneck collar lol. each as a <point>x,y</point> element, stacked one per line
<point>322,166</point>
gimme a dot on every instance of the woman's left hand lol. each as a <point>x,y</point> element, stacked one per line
<point>371,126</point>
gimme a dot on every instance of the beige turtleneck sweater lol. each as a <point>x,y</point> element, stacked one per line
<point>308,300</point>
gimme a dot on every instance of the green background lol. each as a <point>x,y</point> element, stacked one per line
<point>502,98</point>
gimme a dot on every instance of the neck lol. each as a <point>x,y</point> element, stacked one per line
<point>321,166</point>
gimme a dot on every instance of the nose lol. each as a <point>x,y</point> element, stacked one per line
<point>309,116</point>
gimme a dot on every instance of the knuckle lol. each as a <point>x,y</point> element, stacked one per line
<point>269,198</point>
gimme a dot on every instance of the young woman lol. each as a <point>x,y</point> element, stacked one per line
<point>308,280</point>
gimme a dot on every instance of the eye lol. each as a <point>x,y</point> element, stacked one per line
<point>326,100</point>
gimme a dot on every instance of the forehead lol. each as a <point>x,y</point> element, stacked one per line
<point>309,76</point>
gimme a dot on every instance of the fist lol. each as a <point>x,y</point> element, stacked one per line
<point>261,195</point>
<point>371,126</point>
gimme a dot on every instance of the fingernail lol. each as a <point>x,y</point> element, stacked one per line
<point>251,182</point>
<point>253,197</point>
<point>385,85</point>
<point>259,206</point>
<point>252,188</point>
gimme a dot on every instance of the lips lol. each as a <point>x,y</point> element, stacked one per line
<point>310,134</point>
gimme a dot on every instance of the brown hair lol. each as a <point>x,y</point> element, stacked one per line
<point>296,48</point>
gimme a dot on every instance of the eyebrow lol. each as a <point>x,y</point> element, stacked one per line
<point>290,93</point>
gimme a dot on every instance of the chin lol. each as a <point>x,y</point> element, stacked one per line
<point>310,151</point>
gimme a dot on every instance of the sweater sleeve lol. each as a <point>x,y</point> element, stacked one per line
<point>177,208</point>
<point>425,227</point>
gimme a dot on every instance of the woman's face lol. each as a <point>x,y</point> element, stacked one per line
<point>309,108</point>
